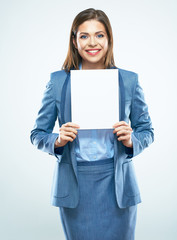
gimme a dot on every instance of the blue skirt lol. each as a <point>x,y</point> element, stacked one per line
<point>97,216</point>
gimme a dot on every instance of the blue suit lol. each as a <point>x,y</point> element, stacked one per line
<point>56,103</point>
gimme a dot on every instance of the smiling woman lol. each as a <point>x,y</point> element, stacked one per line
<point>94,182</point>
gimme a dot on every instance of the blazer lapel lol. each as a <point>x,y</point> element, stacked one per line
<point>121,99</point>
<point>66,101</point>
<point>121,96</point>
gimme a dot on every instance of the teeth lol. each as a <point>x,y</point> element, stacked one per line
<point>93,51</point>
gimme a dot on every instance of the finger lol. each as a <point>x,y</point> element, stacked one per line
<point>71,124</point>
<point>124,138</point>
<point>121,123</point>
<point>69,134</point>
<point>68,129</point>
<point>124,132</point>
<point>66,138</point>
<point>127,128</point>
<point>122,129</point>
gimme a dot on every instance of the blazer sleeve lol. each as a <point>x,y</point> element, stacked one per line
<point>41,135</point>
<point>143,133</point>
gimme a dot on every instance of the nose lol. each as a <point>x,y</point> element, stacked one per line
<point>93,41</point>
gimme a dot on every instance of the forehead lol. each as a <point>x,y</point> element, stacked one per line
<point>91,26</point>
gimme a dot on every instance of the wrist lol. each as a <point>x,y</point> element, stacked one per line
<point>130,145</point>
<point>57,143</point>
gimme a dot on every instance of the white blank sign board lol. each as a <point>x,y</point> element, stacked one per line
<point>95,98</point>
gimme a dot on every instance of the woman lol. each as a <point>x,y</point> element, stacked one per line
<point>94,181</point>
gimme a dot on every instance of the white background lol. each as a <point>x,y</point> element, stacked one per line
<point>33,43</point>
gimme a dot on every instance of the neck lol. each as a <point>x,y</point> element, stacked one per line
<point>86,66</point>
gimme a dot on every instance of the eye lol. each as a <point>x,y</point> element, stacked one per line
<point>100,35</point>
<point>83,37</point>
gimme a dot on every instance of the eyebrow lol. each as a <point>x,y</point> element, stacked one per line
<point>88,33</point>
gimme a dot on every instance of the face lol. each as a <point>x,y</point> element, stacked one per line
<point>92,44</point>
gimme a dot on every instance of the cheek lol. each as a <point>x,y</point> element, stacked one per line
<point>80,49</point>
<point>80,45</point>
<point>105,45</point>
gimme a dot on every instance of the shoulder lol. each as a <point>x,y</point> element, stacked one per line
<point>58,76</point>
<point>56,82</point>
<point>128,75</point>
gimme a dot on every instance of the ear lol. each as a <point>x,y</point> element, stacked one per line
<point>74,42</point>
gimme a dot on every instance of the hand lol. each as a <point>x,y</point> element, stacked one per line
<point>68,133</point>
<point>123,131</point>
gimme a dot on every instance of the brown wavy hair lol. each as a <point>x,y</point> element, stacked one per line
<point>73,58</point>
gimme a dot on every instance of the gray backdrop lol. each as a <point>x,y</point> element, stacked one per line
<point>33,43</point>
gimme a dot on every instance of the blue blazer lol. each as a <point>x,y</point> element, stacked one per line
<point>56,103</point>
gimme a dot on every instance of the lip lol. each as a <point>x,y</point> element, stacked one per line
<point>93,51</point>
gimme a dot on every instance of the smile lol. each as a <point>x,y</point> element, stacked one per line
<point>93,52</point>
